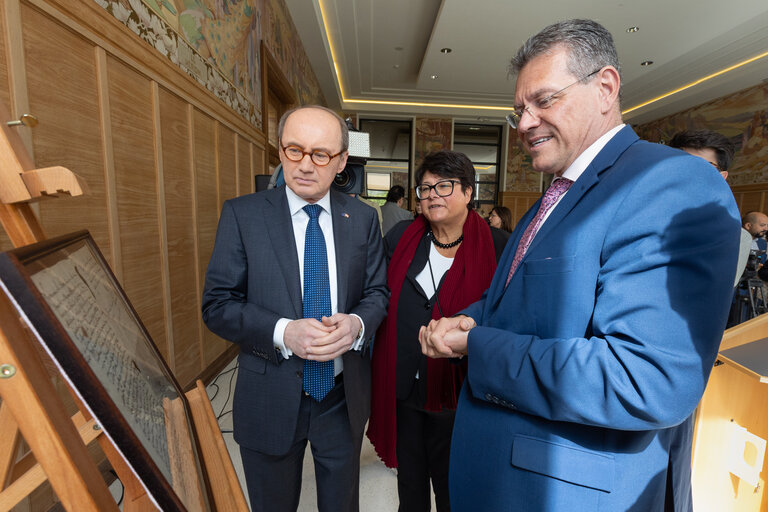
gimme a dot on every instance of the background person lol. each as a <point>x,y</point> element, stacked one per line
<point>501,218</point>
<point>438,264</point>
<point>594,343</point>
<point>756,223</point>
<point>718,151</point>
<point>297,279</point>
<point>392,210</point>
<point>713,147</point>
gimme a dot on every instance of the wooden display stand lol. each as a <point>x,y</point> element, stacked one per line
<point>736,399</point>
<point>31,406</point>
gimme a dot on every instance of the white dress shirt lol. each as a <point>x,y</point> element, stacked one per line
<point>577,168</point>
<point>300,218</point>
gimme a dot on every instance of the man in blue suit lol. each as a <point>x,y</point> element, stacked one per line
<point>297,279</point>
<point>591,348</point>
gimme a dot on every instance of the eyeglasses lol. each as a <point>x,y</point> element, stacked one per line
<point>442,188</point>
<point>319,158</point>
<point>542,104</point>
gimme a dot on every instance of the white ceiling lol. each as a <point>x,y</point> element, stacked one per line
<point>386,50</point>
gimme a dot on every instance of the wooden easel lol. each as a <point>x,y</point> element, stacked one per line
<point>30,404</point>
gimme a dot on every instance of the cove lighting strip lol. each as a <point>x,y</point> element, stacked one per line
<point>507,109</point>
<point>697,82</point>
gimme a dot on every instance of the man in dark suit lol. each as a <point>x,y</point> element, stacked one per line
<point>297,279</point>
<point>593,345</point>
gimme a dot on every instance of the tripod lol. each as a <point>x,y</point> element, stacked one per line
<point>750,300</point>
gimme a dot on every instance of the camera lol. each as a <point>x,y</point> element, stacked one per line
<point>753,263</point>
<point>351,179</point>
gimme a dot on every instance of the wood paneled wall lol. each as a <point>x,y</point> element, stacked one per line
<point>751,197</point>
<point>519,203</point>
<point>159,153</point>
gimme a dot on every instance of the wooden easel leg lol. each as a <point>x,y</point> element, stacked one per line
<point>20,224</point>
<point>135,498</point>
<point>27,391</point>
<point>9,444</point>
<point>225,486</point>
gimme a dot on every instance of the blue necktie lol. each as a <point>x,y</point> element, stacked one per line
<point>318,376</point>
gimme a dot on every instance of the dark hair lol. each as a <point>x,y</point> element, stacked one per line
<point>448,164</point>
<point>342,124</point>
<point>505,214</point>
<point>706,139</point>
<point>395,194</point>
<point>590,47</point>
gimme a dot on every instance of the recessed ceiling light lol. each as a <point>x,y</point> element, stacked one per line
<point>433,77</point>
<point>445,50</point>
<point>646,63</point>
<point>633,29</point>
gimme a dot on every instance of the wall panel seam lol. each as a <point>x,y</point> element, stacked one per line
<point>163,226</point>
<point>113,220</point>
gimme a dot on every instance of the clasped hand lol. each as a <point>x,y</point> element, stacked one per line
<point>322,340</point>
<point>446,337</point>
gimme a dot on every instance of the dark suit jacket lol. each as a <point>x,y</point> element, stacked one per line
<point>253,280</point>
<point>585,370</point>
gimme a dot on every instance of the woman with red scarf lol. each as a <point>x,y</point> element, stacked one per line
<point>440,263</point>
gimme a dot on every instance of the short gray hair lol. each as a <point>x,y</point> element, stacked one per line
<point>590,47</point>
<point>342,124</point>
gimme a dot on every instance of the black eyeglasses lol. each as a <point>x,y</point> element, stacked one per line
<point>319,158</point>
<point>442,188</point>
<point>513,119</point>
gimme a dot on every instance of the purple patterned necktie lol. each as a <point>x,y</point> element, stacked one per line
<point>559,187</point>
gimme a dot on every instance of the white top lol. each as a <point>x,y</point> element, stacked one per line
<point>440,265</point>
<point>300,219</point>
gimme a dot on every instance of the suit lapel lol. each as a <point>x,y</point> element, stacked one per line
<point>280,231</point>
<point>498,283</point>
<point>588,179</point>
<point>343,226</point>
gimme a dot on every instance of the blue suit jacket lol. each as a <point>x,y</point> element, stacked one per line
<point>585,370</point>
<point>253,280</point>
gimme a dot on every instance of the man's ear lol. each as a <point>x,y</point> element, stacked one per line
<point>343,161</point>
<point>609,83</point>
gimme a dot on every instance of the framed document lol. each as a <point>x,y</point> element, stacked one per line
<point>67,295</point>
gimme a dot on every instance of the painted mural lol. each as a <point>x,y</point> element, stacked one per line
<point>217,43</point>
<point>283,41</point>
<point>160,23</point>
<point>742,117</point>
<point>520,175</point>
<point>432,135</point>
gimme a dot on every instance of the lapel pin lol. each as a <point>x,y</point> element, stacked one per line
<point>345,215</point>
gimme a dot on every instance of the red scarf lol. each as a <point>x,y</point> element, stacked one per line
<point>464,283</point>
